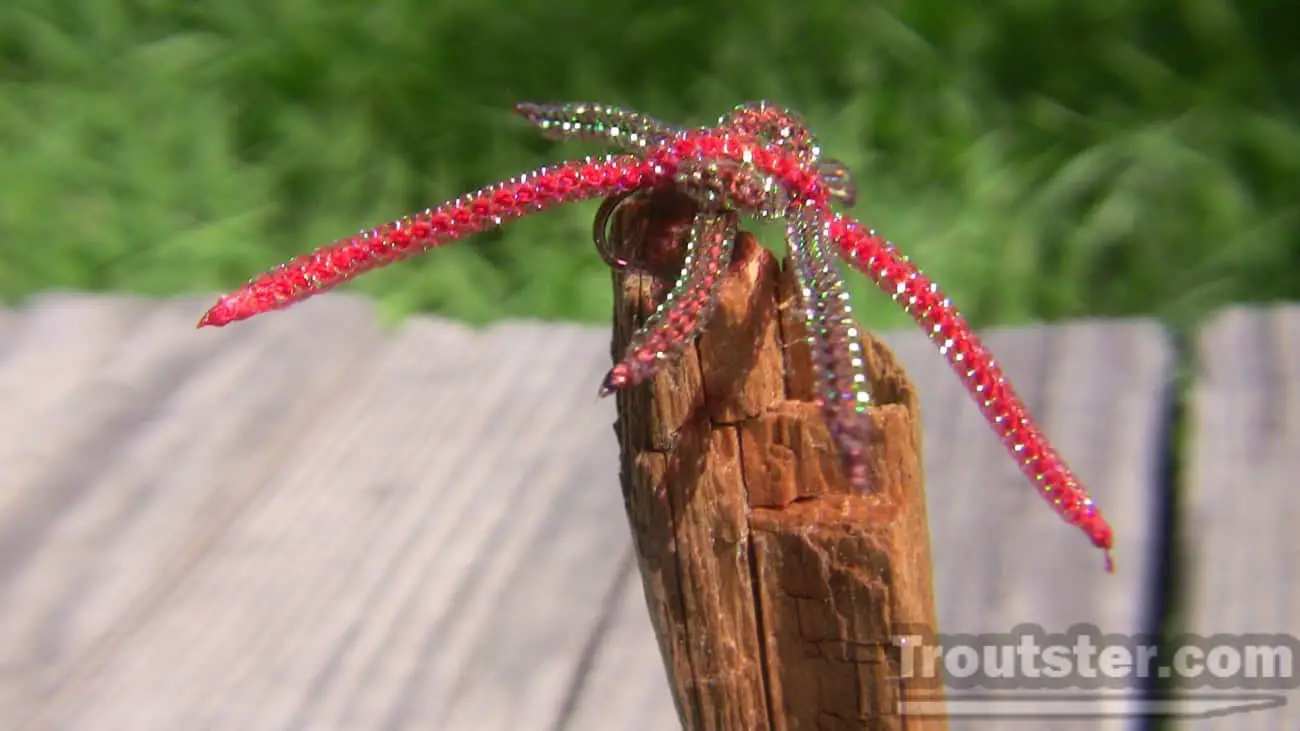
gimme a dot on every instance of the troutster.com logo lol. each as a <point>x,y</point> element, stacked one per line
<point>1082,672</point>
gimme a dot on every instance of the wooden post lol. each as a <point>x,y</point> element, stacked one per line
<point>775,592</point>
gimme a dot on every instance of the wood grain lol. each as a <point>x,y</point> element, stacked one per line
<point>1243,454</point>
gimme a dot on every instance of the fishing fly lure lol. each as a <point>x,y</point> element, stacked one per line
<point>759,159</point>
<point>834,337</point>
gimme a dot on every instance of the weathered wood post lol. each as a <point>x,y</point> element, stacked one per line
<point>775,592</point>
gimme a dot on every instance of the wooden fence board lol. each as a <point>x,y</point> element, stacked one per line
<point>382,582</point>
<point>50,349</point>
<point>305,524</point>
<point>8,320</point>
<point>1241,547</point>
<point>625,673</point>
<point>54,346</point>
<point>162,441</point>
<point>538,608</point>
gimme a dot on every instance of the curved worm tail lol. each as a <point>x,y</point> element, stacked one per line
<point>834,341</point>
<point>871,254</point>
<point>685,311</point>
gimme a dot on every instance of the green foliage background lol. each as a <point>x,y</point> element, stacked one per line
<point>1041,158</point>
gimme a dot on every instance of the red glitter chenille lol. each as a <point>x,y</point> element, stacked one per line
<point>733,159</point>
<point>326,268</point>
<point>332,265</point>
<point>895,275</point>
<point>682,315</point>
<point>773,124</point>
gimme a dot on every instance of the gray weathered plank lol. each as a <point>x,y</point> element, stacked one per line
<point>135,468</point>
<point>8,319</point>
<point>324,529</point>
<point>52,347</point>
<point>525,630</point>
<point>1241,549</point>
<point>626,675</point>
<point>55,345</point>
<point>433,551</point>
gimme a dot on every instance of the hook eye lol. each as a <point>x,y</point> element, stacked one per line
<point>600,231</point>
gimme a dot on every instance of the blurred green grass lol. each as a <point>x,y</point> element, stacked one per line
<point>1042,159</point>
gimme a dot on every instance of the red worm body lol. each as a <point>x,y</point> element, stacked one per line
<point>685,311</point>
<point>730,160</point>
<point>1002,407</point>
<point>489,207</point>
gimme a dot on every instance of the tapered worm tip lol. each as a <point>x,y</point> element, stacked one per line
<point>607,387</point>
<point>219,315</point>
<point>1110,562</point>
<point>209,319</point>
<point>616,378</point>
